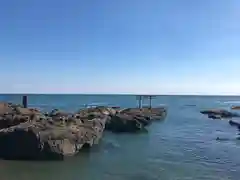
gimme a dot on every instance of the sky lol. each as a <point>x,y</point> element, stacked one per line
<point>120,46</point>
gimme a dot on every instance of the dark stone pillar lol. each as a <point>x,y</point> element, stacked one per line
<point>24,101</point>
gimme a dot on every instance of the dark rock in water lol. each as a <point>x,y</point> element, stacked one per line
<point>219,113</point>
<point>235,107</point>
<point>212,116</point>
<point>234,123</point>
<point>222,139</point>
<point>123,123</point>
<point>190,105</point>
<point>134,119</point>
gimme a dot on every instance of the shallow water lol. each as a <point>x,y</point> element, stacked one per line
<point>182,147</point>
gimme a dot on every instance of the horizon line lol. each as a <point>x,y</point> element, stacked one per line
<point>127,94</point>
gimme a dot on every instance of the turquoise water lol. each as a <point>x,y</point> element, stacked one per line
<point>183,147</point>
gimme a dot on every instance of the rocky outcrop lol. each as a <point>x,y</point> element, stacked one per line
<point>149,113</point>
<point>50,137</point>
<point>219,114</point>
<point>124,123</point>
<point>28,134</point>
<point>134,119</point>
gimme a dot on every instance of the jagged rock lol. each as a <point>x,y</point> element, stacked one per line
<point>11,115</point>
<point>57,113</point>
<point>123,123</point>
<point>5,108</point>
<point>126,120</point>
<point>26,111</point>
<point>149,113</point>
<point>97,111</point>
<point>219,113</point>
<point>134,119</point>
<point>41,140</point>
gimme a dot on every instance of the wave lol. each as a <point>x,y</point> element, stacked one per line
<point>231,102</point>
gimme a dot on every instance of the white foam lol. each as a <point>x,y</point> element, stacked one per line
<point>231,102</point>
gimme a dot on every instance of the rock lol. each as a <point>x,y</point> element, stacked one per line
<point>235,107</point>
<point>214,116</point>
<point>26,111</point>
<point>5,108</point>
<point>41,140</point>
<point>149,113</point>
<point>125,120</point>
<point>133,119</point>
<point>123,123</point>
<point>234,123</point>
<point>11,115</point>
<point>219,113</point>
<point>28,134</point>
<point>58,113</point>
<point>98,111</point>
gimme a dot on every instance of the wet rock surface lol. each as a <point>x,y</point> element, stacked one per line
<point>134,119</point>
<point>28,134</point>
<point>235,123</point>
<point>219,114</point>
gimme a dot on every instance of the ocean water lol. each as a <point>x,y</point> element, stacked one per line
<point>183,147</point>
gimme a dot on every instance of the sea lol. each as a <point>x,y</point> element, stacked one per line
<point>182,147</point>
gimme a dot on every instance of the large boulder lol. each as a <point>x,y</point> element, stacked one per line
<point>49,138</point>
<point>134,119</point>
<point>123,123</point>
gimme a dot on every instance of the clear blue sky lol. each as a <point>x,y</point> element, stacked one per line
<point>120,46</point>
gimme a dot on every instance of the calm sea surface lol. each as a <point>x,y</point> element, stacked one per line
<point>182,147</point>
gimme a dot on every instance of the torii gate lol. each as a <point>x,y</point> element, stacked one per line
<point>140,99</point>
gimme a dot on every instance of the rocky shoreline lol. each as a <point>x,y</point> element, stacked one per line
<point>29,134</point>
